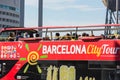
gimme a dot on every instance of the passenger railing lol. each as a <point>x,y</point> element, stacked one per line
<point>51,30</point>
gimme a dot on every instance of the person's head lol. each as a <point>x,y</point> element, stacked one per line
<point>37,35</point>
<point>25,35</point>
<point>117,36</point>
<point>103,36</point>
<point>19,33</point>
<point>31,35</point>
<point>83,34</point>
<point>12,34</point>
<point>57,34</point>
<point>67,34</point>
<point>75,36</point>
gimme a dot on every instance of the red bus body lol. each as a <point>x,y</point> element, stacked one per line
<point>93,58</point>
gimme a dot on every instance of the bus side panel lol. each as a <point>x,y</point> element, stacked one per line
<point>95,60</point>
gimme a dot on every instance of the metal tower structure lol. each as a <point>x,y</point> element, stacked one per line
<point>112,14</point>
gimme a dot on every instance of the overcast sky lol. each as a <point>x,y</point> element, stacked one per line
<point>65,12</point>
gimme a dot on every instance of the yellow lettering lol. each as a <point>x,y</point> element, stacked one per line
<point>92,49</point>
<point>88,49</point>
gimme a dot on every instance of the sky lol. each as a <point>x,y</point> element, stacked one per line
<point>65,12</point>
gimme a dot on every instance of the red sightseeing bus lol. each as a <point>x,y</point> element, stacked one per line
<point>62,53</point>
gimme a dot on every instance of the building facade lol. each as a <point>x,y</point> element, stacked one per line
<point>11,13</point>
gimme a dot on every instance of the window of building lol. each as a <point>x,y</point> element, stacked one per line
<point>10,14</point>
<point>12,8</point>
<point>7,20</point>
<point>3,19</point>
<point>13,15</point>
<point>17,15</point>
<point>13,21</point>
<point>3,26</point>
<point>9,8</point>
<point>3,13</point>
<point>0,25</point>
<point>7,13</point>
<point>10,20</point>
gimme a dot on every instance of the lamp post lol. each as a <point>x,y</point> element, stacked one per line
<point>117,9</point>
<point>40,14</point>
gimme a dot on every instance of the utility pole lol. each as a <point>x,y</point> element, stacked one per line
<point>40,14</point>
<point>117,9</point>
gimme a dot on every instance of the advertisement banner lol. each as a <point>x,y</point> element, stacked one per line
<point>61,50</point>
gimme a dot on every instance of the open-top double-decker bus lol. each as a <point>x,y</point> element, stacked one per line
<point>62,53</point>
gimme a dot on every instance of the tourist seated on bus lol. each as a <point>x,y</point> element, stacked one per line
<point>11,36</point>
<point>37,35</point>
<point>102,36</point>
<point>84,34</point>
<point>92,35</point>
<point>31,35</point>
<point>62,38</point>
<point>68,36</point>
<point>117,36</point>
<point>111,36</point>
<point>75,36</point>
<point>18,36</point>
<point>57,36</point>
<point>46,38</point>
<point>26,35</point>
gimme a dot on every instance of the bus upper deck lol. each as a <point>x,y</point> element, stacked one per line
<point>80,53</point>
<point>52,32</point>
